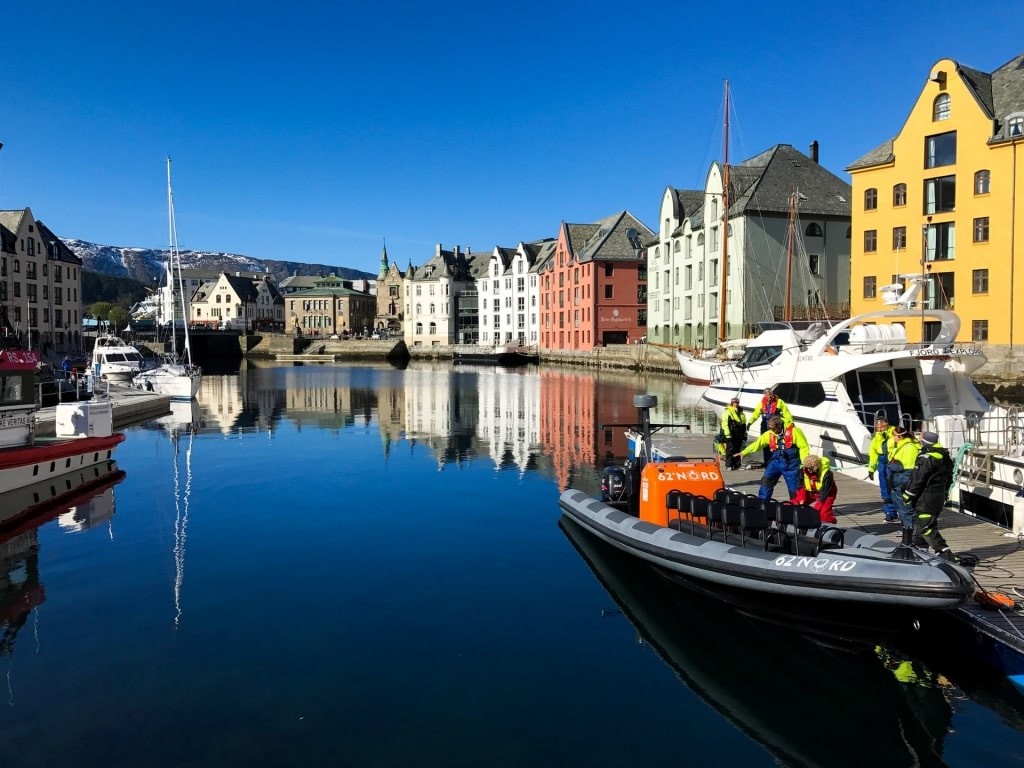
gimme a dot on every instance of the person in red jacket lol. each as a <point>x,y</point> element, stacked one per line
<point>817,487</point>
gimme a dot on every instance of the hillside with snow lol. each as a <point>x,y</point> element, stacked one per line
<point>147,264</point>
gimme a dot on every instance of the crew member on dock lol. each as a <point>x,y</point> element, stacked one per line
<point>770,405</point>
<point>787,447</point>
<point>818,487</point>
<point>734,428</point>
<point>882,443</point>
<point>902,459</point>
<point>926,493</point>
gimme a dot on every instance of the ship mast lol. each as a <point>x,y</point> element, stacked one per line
<point>787,310</point>
<point>725,220</point>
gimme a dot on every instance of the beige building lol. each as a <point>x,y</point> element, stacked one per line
<point>331,307</point>
<point>40,284</point>
<point>227,302</point>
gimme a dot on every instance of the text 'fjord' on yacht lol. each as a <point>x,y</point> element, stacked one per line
<point>839,383</point>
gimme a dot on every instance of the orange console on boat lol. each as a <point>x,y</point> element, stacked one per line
<point>701,477</point>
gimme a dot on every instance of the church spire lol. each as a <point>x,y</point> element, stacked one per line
<point>384,261</point>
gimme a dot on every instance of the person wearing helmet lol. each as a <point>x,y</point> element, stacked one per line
<point>788,448</point>
<point>734,430</point>
<point>818,487</point>
<point>769,405</point>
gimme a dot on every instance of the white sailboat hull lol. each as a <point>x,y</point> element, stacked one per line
<point>179,382</point>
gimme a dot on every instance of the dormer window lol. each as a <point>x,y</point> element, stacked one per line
<point>940,107</point>
<point>1015,124</point>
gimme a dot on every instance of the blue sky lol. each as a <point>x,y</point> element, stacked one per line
<point>313,131</point>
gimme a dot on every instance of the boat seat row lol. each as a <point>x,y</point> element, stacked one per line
<point>777,525</point>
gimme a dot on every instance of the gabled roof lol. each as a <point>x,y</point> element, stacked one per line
<point>12,220</point>
<point>8,240</point>
<point>615,238</point>
<point>64,253</point>
<point>688,206</point>
<point>242,286</point>
<point>998,95</point>
<point>764,183</point>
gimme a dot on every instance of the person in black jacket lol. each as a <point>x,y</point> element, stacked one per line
<point>926,494</point>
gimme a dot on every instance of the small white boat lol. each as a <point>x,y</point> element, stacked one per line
<point>115,360</point>
<point>84,434</point>
<point>178,378</point>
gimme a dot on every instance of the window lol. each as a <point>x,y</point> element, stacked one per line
<point>870,199</point>
<point>870,240</point>
<point>979,281</point>
<point>870,284</point>
<point>609,269</point>
<point>940,194</point>
<point>981,229</point>
<point>940,150</point>
<point>813,263</point>
<point>982,181</point>
<point>813,230</point>
<point>941,239</point>
<point>899,238</point>
<point>899,195</point>
<point>1015,125</point>
<point>979,330</point>
<point>940,107</point>
<point>608,291</point>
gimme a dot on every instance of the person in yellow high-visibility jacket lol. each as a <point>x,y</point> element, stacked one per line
<point>788,448</point>
<point>734,431</point>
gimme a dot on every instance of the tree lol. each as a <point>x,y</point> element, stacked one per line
<point>101,310</point>
<point>119,318</point>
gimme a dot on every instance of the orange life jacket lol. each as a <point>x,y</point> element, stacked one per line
<point>787,439</point>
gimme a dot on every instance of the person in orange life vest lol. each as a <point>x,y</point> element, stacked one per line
<point>788,448</point>
<point>818,488</point>
<point>769,405</point>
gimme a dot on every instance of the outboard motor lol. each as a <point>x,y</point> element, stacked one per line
<point>613,486</point>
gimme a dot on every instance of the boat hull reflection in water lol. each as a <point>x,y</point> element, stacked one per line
<point>799,699</point>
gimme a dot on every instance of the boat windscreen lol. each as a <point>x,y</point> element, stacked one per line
<point>759,356</point>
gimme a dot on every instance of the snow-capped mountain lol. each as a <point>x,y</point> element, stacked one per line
<point>147,264</point>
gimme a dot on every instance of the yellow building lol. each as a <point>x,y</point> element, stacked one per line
<point>945,198</point>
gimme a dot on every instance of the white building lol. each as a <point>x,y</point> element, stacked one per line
<point>684,262</point>
<point>431,293</point>
<point>509,294</point>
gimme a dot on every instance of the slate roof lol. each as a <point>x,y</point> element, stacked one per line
<point>8,240</point>
<point>609,239</point>
<point>764,183</point>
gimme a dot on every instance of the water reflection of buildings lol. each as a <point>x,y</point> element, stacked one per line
<point>441,412</point>
<point>249,401</point>
<point>578,412</point>
<point>509,417</point>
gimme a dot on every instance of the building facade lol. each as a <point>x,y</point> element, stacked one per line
<point>509,294</point>
<point>40,285</point>
<point>945,199</point>
<point>331,307</point>
<point>432,293</point>
<point>593,288</point>
<point>787,216</point>
<point>390,297</point>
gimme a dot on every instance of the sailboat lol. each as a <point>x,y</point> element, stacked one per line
<point>176,377</point>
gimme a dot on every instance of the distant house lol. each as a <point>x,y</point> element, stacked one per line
<point>390,309</point>
<point>431,297</point>
<point>227,302</point>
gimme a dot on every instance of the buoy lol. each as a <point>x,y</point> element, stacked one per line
<point>994,600</point>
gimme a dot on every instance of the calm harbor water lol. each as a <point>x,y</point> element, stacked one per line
<point>364,566</point>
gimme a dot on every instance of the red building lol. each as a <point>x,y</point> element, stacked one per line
<point>593,290</point>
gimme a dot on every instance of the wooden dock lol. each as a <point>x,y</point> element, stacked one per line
<point>129,406</point>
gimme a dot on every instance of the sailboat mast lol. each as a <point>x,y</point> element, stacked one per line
<point>725,220</point>
<point>174,270</point>
<point>787,310</point>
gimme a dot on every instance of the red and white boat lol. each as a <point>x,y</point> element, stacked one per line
<point>84,430</point>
